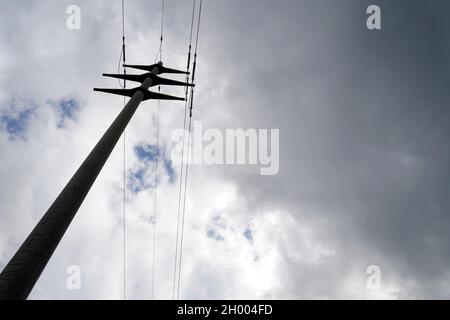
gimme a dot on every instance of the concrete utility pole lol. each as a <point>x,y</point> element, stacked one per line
<point>24,269</point>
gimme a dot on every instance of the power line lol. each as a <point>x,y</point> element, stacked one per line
<point>123,56</point>
<point>157,160</point>
<point>155,203</point>
<point>182,152</point>
<point>188,153</point>
<point>162,30</point>
<point>124,217</point>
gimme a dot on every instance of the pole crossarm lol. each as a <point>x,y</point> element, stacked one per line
<point>156,80</point>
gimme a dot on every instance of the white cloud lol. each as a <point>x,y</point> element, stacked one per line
<point>337,205</point>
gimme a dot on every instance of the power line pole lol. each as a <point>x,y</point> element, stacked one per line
<point>24,269</point>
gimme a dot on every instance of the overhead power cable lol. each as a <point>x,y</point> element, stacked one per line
<point>123,57</point>
<point>186,106</point>
<point>188,151</point>
<point>157,157</point>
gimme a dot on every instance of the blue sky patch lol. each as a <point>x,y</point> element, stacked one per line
<point>139,181</point>
<point>66,108</point>
<point>142,177</point>
<point>147,152</point>
<point>169,169</point>
<point>248,234</point>
<point>212,233</point>
<point>15,122</point>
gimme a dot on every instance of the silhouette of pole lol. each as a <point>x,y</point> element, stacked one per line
<point>24,269</point>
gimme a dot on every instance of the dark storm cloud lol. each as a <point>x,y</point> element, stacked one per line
<point>364,124</point>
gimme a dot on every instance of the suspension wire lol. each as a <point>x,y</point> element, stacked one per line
<point>157,158</point>
<point>188,152</point>
<point>124,215</point>
<point>123,58</point>
<point>123,43</point>
<point>155,200</point>
<point>186,105</point>
<point>162,30</point>
<point>184,206</point>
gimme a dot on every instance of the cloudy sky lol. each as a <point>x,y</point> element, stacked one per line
<point>364,175</point>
